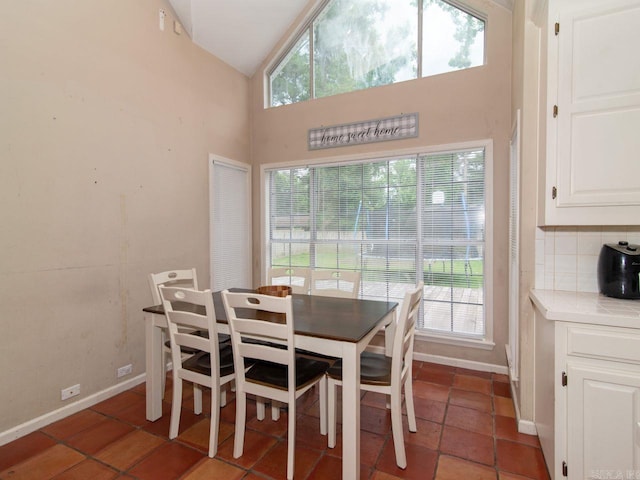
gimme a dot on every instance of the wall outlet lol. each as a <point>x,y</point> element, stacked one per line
<point>70,392</point>
<point>122,371</point>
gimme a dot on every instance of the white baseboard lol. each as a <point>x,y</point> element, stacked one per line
<point>48,418</point>
<point>524,426</point>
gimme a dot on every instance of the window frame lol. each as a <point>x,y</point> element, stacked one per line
<point>306,28</point>
<point>487,342</point>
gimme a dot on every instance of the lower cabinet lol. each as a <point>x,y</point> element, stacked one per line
<point>594,431</point>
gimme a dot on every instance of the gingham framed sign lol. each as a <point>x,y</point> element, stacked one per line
<point>380,130</point>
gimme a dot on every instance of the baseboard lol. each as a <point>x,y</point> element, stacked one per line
<point>524,426</point>
<point>453,362</point>
<point>48,418</point>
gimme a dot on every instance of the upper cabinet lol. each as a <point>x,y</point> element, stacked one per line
<point>592,113</point>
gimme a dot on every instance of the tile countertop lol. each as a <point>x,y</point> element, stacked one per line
<point>583,307</point>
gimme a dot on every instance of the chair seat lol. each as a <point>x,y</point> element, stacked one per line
<point>201,362</point>
<point>275,375</point>
<point>375,369</point>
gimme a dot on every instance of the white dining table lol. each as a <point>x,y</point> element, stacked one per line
<point>337,327</point>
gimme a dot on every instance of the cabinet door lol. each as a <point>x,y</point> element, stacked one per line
<point>594,137</point>
<point>603,415</point>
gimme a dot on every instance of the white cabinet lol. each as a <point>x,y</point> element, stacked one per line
<point>592,113</point>
<point>598,410</point>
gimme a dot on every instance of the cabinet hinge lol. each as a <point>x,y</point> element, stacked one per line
<point>554,194</point>
<point>555,111</point>
<point>565,469</point>
<point>557,28</point>
<point>564,379</point>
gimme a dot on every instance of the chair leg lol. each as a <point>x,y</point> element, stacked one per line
<point>176,406</point>
<point>322,392</point>
<point>223,397</point>
<point>260,408</point>
<point>197,399</point>
<point>291,440</point>
<point>396,427</point>
<point>241,417</point>
<point>331,413</point>
<point>275,410</point>
<point>408,400</point>
<point>215,420</point>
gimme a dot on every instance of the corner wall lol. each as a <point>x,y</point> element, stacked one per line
<point>106,124</point>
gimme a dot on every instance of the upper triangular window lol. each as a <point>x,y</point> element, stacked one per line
<point>356,44</point>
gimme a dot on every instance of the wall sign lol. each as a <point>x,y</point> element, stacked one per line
<point>380,130</point>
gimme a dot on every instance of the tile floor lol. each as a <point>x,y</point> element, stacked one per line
<point>466,430</point>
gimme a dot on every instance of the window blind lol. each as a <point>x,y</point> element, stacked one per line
<point>396,221</point>
<point>230,224</point>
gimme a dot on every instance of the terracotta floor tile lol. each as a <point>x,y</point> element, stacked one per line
<point>88,469</point>
<point>428,434</point>
<point>46,464</point>
<point>161,426</point>
<point>503,406</point>
<point>430,391</point>
<point>437,367</point>
<point>168,462</point>
<point>501,389</point>
<point>308,433</point>
<point>511,476</point>
<point>256,444</point>
<point>469,445</point>
<point>274,462</point>
<point>439,377</point>
<point>134,414</point>
<point>474,373</point>
<point>113,405</point>
<point>507,429</point>
<point>96,438</point>
<point>499,377</point>
<point>375,420</point>
<point>377,475</point>
<point>470,399</point>
<point>469,419</point>
<point>429,409</point>
<point>130,449</point>
<point>267,426</point>
<point>67,427</point>
<point>331,467</point>
<point>197,436</point>
<point>371,445</point>
<point>23,448</point>
<point>520,459</point>
<point>473,383</point>
<point>214,469</point>
<point>450,468</point>
<point>421,462</point>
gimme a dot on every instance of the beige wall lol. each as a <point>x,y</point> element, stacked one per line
<point>468,105</point>
<point>106,124</point>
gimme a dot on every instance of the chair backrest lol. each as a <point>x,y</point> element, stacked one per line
<point>174,278</point>
<point>335,283</point>
<point>402,354</point>
<point>297,277</point>
<point>261,328</point>
<point>195,312</point>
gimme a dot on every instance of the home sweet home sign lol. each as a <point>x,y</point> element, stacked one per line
<point>380,130</point>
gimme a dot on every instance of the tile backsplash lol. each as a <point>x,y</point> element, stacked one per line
<point>567,257</point>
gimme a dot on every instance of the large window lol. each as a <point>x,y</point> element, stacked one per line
<point>356,44</point>
<point>397,221</point>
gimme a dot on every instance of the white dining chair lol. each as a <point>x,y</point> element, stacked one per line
<point>335,283</point>
<point>278,373</point>
<point>212,366</point>
<point>390,376</point>
<point>298,278</point>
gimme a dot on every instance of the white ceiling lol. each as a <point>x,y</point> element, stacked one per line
<point>239,32</point>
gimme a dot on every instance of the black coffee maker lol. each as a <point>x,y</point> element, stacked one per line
<point>619,270</point>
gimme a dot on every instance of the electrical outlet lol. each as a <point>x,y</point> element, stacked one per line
<point>126,370</point>
<point>70,392</point>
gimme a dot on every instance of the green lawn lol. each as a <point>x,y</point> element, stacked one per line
<point>436,272</point>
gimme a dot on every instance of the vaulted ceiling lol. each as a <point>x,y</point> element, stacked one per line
<point>243,32</point>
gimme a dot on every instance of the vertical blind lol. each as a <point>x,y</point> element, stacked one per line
<point>230,225</point>
<point>397,221</point>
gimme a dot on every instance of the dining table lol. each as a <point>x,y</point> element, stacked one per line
<point>336,327</point>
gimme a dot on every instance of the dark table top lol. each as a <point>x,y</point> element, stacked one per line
<point>342,319</point>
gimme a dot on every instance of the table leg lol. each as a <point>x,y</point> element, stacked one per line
<point>350,412</point>
<point>153,358</point>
